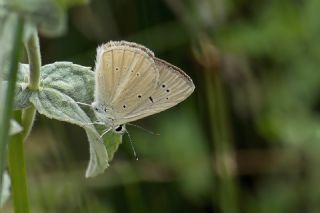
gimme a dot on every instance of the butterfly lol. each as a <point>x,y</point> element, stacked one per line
<point>131,83</point>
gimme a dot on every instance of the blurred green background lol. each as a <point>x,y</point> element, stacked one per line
<point>247,140</point>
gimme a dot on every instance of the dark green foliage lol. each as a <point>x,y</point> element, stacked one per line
<point>247,140</point>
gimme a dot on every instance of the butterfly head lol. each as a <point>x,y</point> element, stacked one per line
<point>103,113</point>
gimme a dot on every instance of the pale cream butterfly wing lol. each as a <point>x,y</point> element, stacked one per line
<point>132,84</point>
<point>173,87</point>
<point>126,76</point>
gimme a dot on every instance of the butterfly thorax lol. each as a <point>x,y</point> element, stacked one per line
<point>103,113</point>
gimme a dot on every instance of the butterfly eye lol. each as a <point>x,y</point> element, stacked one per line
<point>139,96</point>
<point>163,85</point>
<point>124,106</point>
<point>96,108</point>
<point>117,68</point>
<point>118,128</point>
<point>168,90</point>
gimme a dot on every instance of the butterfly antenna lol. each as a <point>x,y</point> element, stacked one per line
<point>144,129</point>
<point>131,143</point>
<point>80,103</point>
<point>84,104</point>
<point>96,122</point>
<point>105,132</point>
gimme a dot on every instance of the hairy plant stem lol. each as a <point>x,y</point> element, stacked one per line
<point>7,110</point>
<point>34,58</point>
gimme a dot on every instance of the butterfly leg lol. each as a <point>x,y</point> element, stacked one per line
<point>105,132</point>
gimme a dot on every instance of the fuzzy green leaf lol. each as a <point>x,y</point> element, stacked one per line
<point>98,155</point>
<point>62,85</point>
<point>22,93</point>
<point>48,15</point>
<point>112,142</point>
<point>22,97</point>
<point>57,105</point>
<point>5,191</point>
<point>6,39</point>
<point>22,75</point>
<point>71,79</point>
<point>15,127</point>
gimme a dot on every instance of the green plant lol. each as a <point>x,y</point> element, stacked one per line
<point>53,90</point>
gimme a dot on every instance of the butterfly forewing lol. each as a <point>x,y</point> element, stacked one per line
<point>173,87</point>
<point>126,75</point>
<point>141,83</point>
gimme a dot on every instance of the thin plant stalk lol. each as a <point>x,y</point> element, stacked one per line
<point>222,143</point>
<point>7,110</point>
<point>17,169</point>
<point>17,165</point>
<point>225,191</point>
